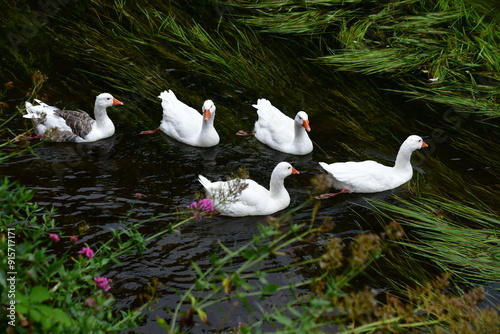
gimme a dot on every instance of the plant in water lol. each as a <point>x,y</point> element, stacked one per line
<point>443,52</point>
<point>330,300</point>
<point>458,239</point>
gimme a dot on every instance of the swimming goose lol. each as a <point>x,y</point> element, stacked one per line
<point>54,124</point>
<point>370,176</point>
<point>185,124</point>
<point>245,197</point>
<point>279,131</point>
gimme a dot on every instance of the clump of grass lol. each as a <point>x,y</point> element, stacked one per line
<point>150,37</point>
<point>442,52</point>
<point>459,238</point>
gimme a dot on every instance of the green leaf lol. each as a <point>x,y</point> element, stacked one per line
<point>162,323</point>
<point>35,314</point>
<point>244,301</point>
<point>22,305</point>
<point>203,315</point>
<point>197,269</point>
<point>285,321</point>
<point>227,250</point>
<point>39,294</point>
<point>270,289</point>
<point>61,317</point>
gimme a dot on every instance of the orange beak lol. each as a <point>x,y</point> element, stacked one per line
<point>117,102</point>
<point>294,171</point>
<point>424,144</point>
<point>306,126</point>
<point>206,114</point>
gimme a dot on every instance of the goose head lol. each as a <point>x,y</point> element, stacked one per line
<point>105,100</point>
<point>303,120</point>
<point>414,142</point>
<point>208,109</point>
<point>284,169</point>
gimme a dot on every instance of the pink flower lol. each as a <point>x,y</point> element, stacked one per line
<point>54,237</point>
<point>103,283</point>
<point>90,302</point>
<point>87,252</point>
<point>202,208</point>
<point>138,195</point>
<point>73,239</point>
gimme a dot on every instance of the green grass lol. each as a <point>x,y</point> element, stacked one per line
<point>460,239</point>
<point>454,42</point>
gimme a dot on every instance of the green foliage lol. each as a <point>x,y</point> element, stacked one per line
<point>52,287</point>
<point>129,46</point>
<point>53,290</point>
<point>443,52</point>
<point>331,298</point>
<point>459,238</point>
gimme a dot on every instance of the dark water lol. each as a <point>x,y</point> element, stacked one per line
<point>96,183</point>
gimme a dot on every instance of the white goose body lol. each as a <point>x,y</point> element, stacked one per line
<point>280,132</point>
<point>58,125</point>
<point>370,176</point>
<point>245,197</point>
<point>187,125</point>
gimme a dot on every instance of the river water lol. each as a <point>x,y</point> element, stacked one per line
<point>95,184</point>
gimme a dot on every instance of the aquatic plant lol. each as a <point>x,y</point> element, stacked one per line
<point>329,299</point>
<point>142,48</point>
<point>460,239</point>
<point>442,52</point>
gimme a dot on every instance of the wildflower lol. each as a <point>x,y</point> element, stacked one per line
<point>54,237</point>
<point>73,239</point>
<point>90,302</point>
<point>364,247</point>
<point>103,283</point>
<point>138,195</point>
<point>333,257</point>
<point>87,252</point>
<point>202,208</point>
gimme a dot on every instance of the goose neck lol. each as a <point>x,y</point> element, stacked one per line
<point>300,132</point>
<point>403,159</point>
<point>277,186</point>
<point>100,114</point>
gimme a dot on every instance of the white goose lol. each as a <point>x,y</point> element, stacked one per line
<point>185,124</point>
<point>245,197</point>
<point>57,125</point>
<point>279,131</point>
<point>370,176</point>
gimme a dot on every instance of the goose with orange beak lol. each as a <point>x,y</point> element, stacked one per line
<point>281,132</point>
<point>54,124</point>
<point>185,124</point>
<point>245,197</point>
<point>370,176</point>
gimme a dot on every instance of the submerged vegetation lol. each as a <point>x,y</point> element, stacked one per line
<point>443,52</point>
<point>421,267</point>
